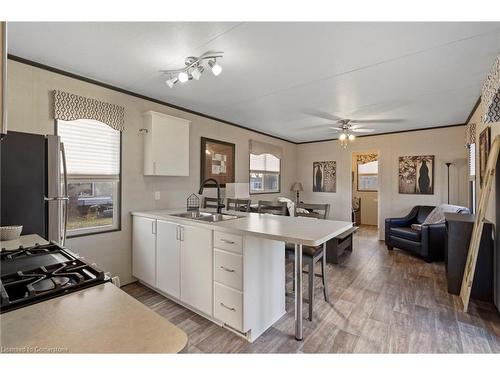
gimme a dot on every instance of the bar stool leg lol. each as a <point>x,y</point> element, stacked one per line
<point>311,288</point>
<point>323,274</point>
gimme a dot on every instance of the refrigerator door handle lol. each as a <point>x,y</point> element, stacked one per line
<point>48,199</point>
<point>65,197</point>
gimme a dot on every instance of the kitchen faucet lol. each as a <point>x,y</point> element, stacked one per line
<point>219,206</point>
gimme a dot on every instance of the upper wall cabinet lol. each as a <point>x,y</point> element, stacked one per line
<point>166,145</point>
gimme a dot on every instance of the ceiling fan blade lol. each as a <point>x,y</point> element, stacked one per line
<point>321,114</point>
<point>362,130</point>
<point>335,128</point>
<point>382,121</point>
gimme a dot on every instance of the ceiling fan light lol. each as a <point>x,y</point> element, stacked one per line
<point>352,137</point>
<point>216,68</point>
<point>171,82</point>
<point>343,137</point>
<point>183,77</point>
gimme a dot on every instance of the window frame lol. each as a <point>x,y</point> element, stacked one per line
<point>366,174</point>
<point>118,228</point>
<point>265,172</point>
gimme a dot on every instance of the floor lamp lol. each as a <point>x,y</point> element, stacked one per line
<point>448,167</point>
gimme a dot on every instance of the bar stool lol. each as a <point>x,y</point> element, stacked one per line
<point>311,254</point>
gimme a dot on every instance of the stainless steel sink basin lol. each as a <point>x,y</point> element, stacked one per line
<point>206,216</point>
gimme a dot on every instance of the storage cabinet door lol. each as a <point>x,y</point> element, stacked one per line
<point>168,258</point>
<point>170,146</point>
<point>144,249</point>
<point>196,268</point>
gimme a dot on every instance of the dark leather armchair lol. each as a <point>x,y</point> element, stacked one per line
<point>428,242</point>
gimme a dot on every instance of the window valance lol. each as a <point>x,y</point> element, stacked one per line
<point>70,107</point>
<point>470,134</point>
<point>366,158</point>
<point>259,148</point>
<point>490,97</point>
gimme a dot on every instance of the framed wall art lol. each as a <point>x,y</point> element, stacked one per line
<point>416,174</point>
<point>217,161</point>
<point>325,177</point>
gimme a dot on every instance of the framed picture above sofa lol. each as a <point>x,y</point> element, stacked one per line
<point>416,174</point>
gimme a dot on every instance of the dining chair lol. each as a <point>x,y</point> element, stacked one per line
<point>242,205</point>
<point>311,254</point>
<point>272,207</point>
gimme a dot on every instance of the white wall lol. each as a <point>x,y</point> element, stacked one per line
<point>30,110</point>
<point>447,144</point>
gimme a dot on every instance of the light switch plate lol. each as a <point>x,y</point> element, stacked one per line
<point>157,195</point>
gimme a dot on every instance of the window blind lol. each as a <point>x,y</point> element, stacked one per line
<point>368,168</point>
<point>472,159</point>
<point>264,163</point>
<point>92,148</point>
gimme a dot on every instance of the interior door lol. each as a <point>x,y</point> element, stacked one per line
<point>196,268</point>
<point>168,258</point>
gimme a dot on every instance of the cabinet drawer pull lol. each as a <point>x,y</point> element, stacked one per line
<point>227,307</point>
<point>227,269</point>
<point>227,241</point>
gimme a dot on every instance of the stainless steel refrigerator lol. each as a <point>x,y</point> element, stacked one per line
<point>34,185</point>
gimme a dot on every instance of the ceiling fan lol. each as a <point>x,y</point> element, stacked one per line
<point>346,127</point>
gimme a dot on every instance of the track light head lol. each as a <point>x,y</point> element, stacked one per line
<point>196,73</point>
<point>171,81</point>
<point>183,77</point>
<point>216,68</point>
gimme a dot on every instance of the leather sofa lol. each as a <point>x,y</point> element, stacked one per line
<point>428,243</point>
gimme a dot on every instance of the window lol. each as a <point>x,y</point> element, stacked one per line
<point>368,176</point>
<point>93,154</point>
<point>264,174</point>
<point>472,176</point>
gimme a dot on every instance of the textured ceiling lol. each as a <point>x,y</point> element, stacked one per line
<point>284,79</point>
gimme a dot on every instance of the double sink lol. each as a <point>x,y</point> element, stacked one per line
<point>206,216</point>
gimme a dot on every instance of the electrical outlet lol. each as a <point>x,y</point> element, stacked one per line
<point>157,195</point>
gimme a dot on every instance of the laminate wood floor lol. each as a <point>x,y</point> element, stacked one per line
<point>381,302</point>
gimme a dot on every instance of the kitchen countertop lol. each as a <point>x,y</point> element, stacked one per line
<point>101,319</point>
<point>25,240</point>
<point>301,230</point>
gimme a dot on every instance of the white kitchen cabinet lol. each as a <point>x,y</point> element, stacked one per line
<point>166,145</point>
<point>196,268</point>
<point>249,282</point>
<point>168,258</point>
<point>144,249</point>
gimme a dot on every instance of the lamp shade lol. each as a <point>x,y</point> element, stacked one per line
<point>297,186</point>
<point>237,190</point>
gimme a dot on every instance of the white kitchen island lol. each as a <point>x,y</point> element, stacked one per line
<point>232,272</point>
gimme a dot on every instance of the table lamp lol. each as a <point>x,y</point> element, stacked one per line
<point>297,188</point>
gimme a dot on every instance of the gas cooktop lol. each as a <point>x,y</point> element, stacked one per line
<point>33,274</point>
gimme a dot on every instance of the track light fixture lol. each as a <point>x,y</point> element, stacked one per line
<point>194,68</point>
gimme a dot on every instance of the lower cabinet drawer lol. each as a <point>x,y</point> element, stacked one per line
<point>228,241</point>
<point>228,306</point>
<point>228,268</point>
